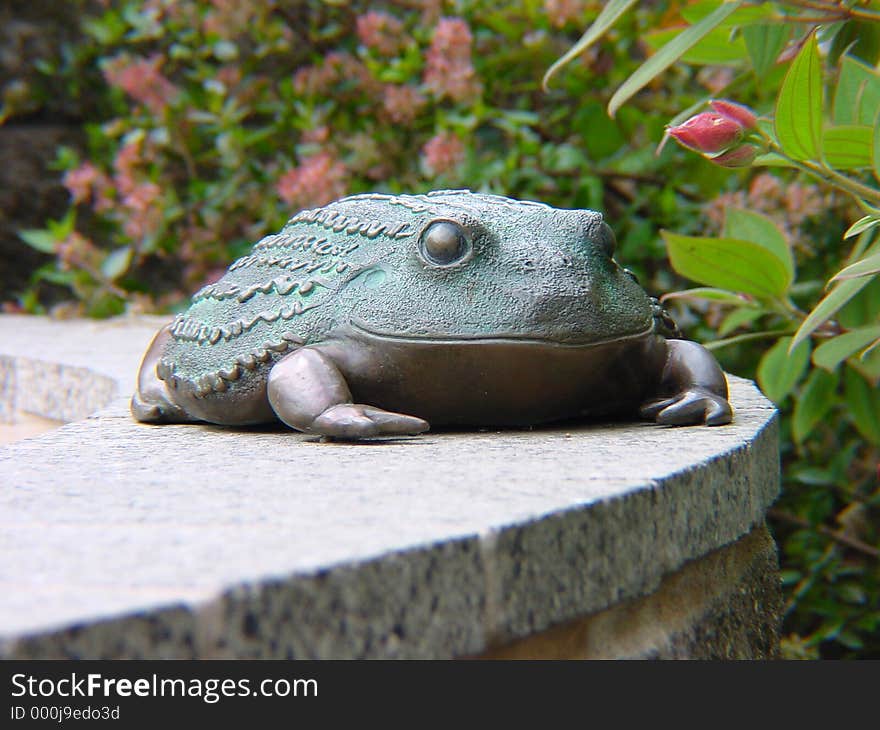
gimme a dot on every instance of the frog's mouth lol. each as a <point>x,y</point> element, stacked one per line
<point>362,328</point>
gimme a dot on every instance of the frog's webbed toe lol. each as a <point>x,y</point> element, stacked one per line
<point>308,393</point>
<point>692,388</point>
<point>697,405</point>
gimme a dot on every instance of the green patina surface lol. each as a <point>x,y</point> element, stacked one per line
<point>530,271</point>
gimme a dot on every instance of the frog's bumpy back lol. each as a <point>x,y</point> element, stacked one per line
<point>280,295</point>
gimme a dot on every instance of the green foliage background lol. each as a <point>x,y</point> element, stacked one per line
<point>210,122</point>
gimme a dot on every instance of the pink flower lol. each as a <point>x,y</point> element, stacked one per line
<point>708,132</point>
<point>11,307</point>
<point>143,215</point>
<point>82,182</point>
<point>125,164</point>
<point>381,32</point>
<point>77,251</point>
<point>738,113</point>
<point>804,202</point>
<point>766,189</point>
<point>402,103</point>
<point>229,76</point>
<point>228,17</point>
<point>741,156</point>
<point>318,180</point>
<point>337,68</point>
<point>443,153</point>
<point>140,79</point>
<point>560,12</point>
<point>719,134</point>
<point>715,78</point>
<point>307,80</point>
<point>448,69</point>
<point>319,135</point>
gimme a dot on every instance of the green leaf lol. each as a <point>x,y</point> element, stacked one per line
<point>799,106</point>
<point>716,48</point>
<point>848,147</point>
<point>832,352</point>
<point>53,275</point>
<point>39,238</point>
<point>695,11</point>
<point>868,363</point>
<point>858,93</point>
<point>875,148</point>
<point>824,310</point>
<point>712,295</point>
<point>728,263</point>
<point>749,226</point>
<point>669,54</point>
<point>610,14</point>
<point>867,266</point>
<point>779,371</point>
<point>738,318</point>
<point>813,403</point>
<point>864,405</point>
<point>764,44</point>
<point>862,309</point>
<point>117,262</point>
<point>63,227</point>
<point>105,305</point>
<point>862,225</point>
<point>771,159</point>
<point>850,640</point>
<point>106,30</point>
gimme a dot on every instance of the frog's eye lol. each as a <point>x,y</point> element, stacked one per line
<point>444,243</point>
<point>606,239</point>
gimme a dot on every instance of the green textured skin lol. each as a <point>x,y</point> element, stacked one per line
<point>535,273</point>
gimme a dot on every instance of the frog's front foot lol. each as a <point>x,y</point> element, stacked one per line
<point>692,389</point>
<point>697,405</point>
<point>308,393</point>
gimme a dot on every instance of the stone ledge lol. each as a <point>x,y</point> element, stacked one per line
<point>126,540</point>
<point>725,605</point>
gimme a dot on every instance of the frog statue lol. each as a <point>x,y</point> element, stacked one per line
<point>378,314</point>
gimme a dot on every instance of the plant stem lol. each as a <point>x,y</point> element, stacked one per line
<point>864,14</point>
<point>853,187</point>
<point>814,5</point>
<point>835,535</point>
<point>826,174</point>
<point>836,8</point>
<point>804,585</point>
<point>747,337</point>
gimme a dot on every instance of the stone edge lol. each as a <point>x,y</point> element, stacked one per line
<point>453,598</point>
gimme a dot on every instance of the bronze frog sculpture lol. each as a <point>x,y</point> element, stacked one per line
<point>379,314</point>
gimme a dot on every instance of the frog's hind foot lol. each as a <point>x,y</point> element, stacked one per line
<point>151,402</point>
<point>692,390</point>
<point>353,421</point>
<point>157,411</point>
<point>691,407</point>
<point>307,392</point>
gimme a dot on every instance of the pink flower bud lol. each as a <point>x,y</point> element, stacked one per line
<point>744,116</point>
<point>708,133</point>
<point>741,156</point>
